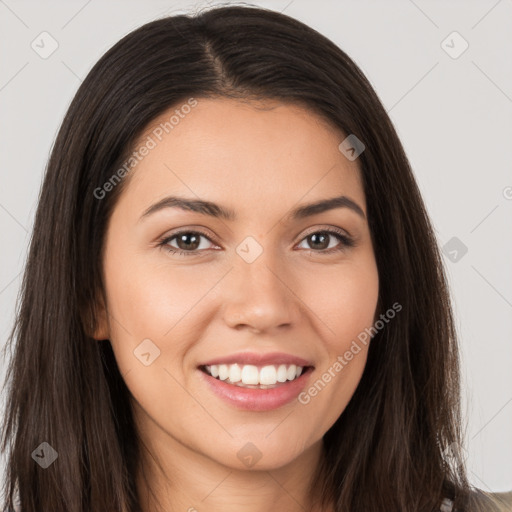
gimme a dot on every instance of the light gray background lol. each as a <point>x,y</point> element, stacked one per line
<point>454,117</point>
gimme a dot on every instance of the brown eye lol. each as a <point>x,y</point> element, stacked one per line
<point>188,243</point>
<point>319,241</point>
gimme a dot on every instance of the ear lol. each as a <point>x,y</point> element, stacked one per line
<point>99,327</point>
<point>378,309</point>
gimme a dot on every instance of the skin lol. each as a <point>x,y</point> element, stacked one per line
<point>261,160</point>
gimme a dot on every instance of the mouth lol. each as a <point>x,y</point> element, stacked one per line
<point>253,381</point>
<point>254,376</point>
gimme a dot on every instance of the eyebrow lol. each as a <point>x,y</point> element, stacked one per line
<point>217,211</point>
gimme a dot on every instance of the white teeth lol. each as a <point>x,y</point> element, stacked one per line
<point>268,375</point>
<point>223,372</point>
<point>292,370</point>
<point>282,373</point>
<point>252,375</point>
<point>235,373</point>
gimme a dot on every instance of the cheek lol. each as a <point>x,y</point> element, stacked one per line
<point>147,295</point>
<point>335,381</point>
<point>147,301</point>
<point>345,302</point>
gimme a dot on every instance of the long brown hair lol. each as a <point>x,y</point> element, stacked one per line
<point>387,451</point>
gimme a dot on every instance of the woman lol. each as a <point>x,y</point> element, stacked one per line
<point>182,342</point>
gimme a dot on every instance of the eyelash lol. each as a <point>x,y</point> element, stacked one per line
<point>346,242</point>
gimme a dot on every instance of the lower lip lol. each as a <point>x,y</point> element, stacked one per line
<point>251,399</point>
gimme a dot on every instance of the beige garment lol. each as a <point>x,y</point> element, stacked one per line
<point>501,500</point>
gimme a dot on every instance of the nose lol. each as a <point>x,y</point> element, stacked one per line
<point>259,296</point>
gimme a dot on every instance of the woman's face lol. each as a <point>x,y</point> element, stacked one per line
<point>261,282</point>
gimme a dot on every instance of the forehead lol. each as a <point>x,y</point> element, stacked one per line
<point>256,153</point>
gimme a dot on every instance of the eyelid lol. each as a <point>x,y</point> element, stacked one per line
<point>318,229</point>
<point>188,229</point>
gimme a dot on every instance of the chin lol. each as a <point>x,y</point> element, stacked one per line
<point>261,453</point>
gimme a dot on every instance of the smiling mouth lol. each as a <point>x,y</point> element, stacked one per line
<point>256,377</point>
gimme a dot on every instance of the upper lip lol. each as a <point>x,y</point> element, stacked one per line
<point>259,359</point>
